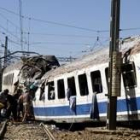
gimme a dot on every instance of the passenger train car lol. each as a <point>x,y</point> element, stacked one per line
<point>76,92</point>
<point>87,78</point>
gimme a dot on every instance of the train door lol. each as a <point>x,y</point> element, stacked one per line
<point>71,94</point>
<point>97,90</point>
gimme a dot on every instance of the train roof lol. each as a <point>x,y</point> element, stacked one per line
<point>94,58</point>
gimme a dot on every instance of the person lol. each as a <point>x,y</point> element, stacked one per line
<point>72,101</point>
<point>68,93</point>
<point>94,111</point>
<point>17,96</point>
<point>52,93</point>
<point>11,105</point>
<point>26,105</point>
<point>20,107</point>
<point>2,106</point>
<point>2,101</point>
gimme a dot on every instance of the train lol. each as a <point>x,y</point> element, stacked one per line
<point>76,92</point>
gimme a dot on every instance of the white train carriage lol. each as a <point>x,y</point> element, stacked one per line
<point>87,77</point>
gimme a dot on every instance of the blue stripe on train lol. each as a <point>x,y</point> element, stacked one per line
<point>132,104</point>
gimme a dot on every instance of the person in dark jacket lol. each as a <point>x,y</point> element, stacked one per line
<point>11,105</point>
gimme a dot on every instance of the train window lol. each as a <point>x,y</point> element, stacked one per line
<point>71,85</point>
<point>83,84</point>
<point>61,89</point>
<point>129,75</point>
<point>51,91</point>
<point>96,81</point>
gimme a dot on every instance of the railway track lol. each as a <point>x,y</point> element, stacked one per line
<point>48,132</point>
<point>36,131</point>
<point>20,131</point>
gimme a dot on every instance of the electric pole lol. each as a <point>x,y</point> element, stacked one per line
<point>21,24</point>
<point>115,59</point>
<point>1,71</point>
<point>5,51</point>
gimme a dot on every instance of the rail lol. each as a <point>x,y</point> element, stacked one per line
<point>3,129</point>
<point>50,135</point>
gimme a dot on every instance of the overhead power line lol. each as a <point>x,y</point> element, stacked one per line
<point>128,29</point>
<point>9,32</point>
<point>59,43</point>
<point>62,24</point>
<point>62,35</point>
<point>9,20</point>
<point>53,22</point>
<point>67,25</point>
<point>14,42</point>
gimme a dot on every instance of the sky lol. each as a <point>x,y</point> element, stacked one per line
<point>64,28</point>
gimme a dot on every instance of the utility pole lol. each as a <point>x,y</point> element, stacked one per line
<point>5,51</point>
<point>1,71</point>
<point>115,59</point>
<point>5,61</point>
<point>21,24</point>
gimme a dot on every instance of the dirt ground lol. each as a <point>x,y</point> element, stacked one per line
<point>33,131</point>
<point>98,134</point>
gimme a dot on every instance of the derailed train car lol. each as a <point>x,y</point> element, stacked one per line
<point>76,92</point>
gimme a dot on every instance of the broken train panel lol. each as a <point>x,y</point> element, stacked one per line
<point>24,73</point>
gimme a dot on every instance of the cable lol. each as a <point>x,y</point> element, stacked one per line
<point>9,20</point>
<point>55,23</point>
<point>14,42</point>
<point>62,35</point>
<point>58,43</point>
<point>9,32</point>
<point>130,29</point>
<point>9,11</point>
<point>12,34</point>
<point>67,25</point>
